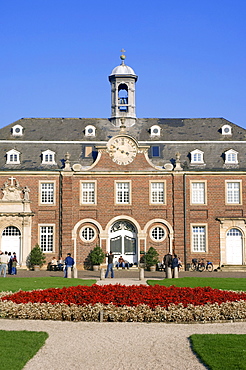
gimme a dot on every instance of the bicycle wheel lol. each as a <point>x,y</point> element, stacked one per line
<point>201,267</point>
<point>193,267</point>
<point>210,267</point>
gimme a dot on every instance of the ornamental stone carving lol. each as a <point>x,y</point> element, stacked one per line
<point>12,191</point>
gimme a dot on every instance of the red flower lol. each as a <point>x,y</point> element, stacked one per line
<point>121,295</point>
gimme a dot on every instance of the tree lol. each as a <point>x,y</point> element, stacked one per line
<point>96,256</point>
<point>151,257</point>
<point>36,257</point>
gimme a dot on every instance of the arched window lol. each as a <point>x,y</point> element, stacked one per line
<point>11,231</point>
<point>123,97</point>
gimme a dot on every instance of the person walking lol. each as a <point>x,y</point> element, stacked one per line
<point>110,257</point>
<point>69,262</point>
<point>3,263</point>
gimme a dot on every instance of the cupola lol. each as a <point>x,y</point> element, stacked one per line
<point>123,79</point>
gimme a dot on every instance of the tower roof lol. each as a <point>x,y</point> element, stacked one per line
<point>123,69</point>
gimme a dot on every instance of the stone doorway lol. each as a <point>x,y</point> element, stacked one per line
<point>11,241</point>
<point>123,241</point>
<point>234,247</point>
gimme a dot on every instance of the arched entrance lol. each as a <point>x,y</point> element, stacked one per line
<point>11,241</point>
<point>234,247</point>
<point>123,241</point>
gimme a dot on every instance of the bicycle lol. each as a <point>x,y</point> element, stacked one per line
<point>200,265</point>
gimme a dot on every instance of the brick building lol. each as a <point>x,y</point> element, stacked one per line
<point>124,183</point>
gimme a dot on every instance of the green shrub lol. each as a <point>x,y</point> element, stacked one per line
<point>151,257</point>
<point>96,256</point>
<point>36,257</point>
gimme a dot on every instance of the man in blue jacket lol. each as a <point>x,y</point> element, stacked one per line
<point>69,262</point>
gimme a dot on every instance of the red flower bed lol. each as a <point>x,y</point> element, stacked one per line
<point>120,295</point>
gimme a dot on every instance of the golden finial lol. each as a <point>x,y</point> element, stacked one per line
<point>122,57</point>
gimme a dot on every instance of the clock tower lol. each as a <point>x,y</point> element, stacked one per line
<point>123,79</point>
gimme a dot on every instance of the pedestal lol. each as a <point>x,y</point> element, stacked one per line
<point>69,272</point>
<point>141,274</point>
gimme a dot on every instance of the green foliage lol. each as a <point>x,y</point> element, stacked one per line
<point>192,282</point>
<point>18,347</point>
<point>151,257</point>
<point>36,257</point>
<point>30,283</point>
<point>220,351</point>
<point>96,255</point>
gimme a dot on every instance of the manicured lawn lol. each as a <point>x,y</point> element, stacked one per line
<point>18,347</point>
<point>220,351</point>
<point>15,284</point>
<point>216,283</point>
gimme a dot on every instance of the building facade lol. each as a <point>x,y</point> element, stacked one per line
<point>124,183</point>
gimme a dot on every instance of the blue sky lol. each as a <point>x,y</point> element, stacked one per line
<point>56,56</point>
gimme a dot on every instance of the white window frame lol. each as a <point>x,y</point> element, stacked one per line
<point>87,227</point>
<point>47,240</point>
<point>198,194</point>
<point>90,127</point>
<point>158,195</point>
<point>42,191</point>
<point>48,157</point>
<point>199,238</point>
<point>231,157</point>
<point>197,157</point>
<point>126,198</point>
<point>88,196</point>
<point>13,157</point>
<point>153,128</point>
<point>233,194</point>
<point>157,227</point>
<point>17,130</point>
<point>225,128</point>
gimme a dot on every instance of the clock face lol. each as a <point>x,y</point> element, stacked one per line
<point>123,150</point>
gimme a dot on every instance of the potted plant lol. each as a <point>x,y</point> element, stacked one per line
<point>96,257</point>
<point>151,259</point>
<point>36,258</point>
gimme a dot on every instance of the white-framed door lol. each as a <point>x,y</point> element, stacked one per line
<point>11,241</point>
<point>123,241</point>
<point>234,247</point>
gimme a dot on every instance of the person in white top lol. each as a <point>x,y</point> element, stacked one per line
<point>3,263</point>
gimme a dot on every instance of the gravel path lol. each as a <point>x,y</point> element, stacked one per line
<point>92,346</point>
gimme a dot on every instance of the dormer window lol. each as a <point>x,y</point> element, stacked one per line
<point>226,130</point>
<point>231,157</point>
<point>90,130</point>
<point>48,157</point>
<point>197,157</point>
<point>13,157</point>
<point>155,130</point>
<point>17,130</point>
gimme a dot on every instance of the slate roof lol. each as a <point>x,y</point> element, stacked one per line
<point>63,135</point>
